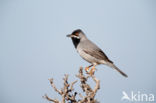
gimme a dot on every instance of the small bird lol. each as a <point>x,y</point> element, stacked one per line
<point>91,52</point>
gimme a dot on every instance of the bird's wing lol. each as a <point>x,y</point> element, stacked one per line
<point>95,51</point>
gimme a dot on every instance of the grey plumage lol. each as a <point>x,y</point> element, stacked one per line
<point>93,50</point>
<point>90,51</point>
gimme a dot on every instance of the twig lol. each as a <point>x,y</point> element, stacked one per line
<point>69,95</point>
<point>53,85</point>
<point>49,99</point>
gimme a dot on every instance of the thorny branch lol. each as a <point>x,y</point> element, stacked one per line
<point>69,95</point>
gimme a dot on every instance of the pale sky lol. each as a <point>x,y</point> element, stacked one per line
<point>34,46</point>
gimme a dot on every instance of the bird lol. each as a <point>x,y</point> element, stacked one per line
<point>91,52</point>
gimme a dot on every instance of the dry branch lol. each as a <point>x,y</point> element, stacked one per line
<point>69,95</point>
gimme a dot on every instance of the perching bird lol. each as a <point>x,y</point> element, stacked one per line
<point>91,52</point>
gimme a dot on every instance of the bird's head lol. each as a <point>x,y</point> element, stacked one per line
<point>77,34</point>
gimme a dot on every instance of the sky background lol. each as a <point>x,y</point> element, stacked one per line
<point>34,46</point>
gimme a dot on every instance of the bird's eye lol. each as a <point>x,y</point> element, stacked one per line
<point>76,34</point>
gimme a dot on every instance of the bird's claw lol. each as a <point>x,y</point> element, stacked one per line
<point>87,69</point>
<point>92,71</point>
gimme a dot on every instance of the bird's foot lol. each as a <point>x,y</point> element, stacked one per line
<point>92,71</point>
<point>87,69</point>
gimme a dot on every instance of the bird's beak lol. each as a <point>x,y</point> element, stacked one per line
<point>69,35</point>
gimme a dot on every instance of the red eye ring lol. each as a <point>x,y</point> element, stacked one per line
<point>76,34</point>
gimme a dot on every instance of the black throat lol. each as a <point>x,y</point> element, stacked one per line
<point>75,41</point>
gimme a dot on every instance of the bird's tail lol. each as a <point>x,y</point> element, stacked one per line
<point>116,68</point>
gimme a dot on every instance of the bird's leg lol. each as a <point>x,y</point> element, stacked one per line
<point>92,70</point>
<point>87,68</point>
